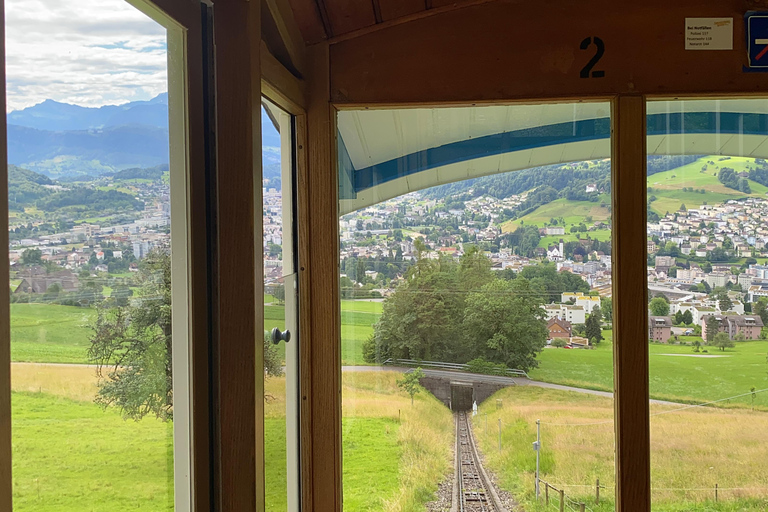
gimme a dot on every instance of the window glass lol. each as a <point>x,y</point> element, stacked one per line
<point>280,313</point>
<point>90,254</point>
<point>707,185</point>
<point>475,278</point>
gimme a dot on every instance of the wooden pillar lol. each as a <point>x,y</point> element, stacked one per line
<point>5,312</point>
<point>323,295</point>
<point>630,305</point>
<point>238,281</point>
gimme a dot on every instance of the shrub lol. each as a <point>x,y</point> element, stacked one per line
<point>480,365</point>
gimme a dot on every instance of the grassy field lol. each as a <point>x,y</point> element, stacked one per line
<point>675,374</point>
<point>70,454</point>
<point>562,208</point>
<point>667,186</point>
<point>691,451</point>
<point>49,333</point>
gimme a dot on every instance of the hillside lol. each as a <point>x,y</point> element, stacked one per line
<point>668,187</point>
<point>25,186</point>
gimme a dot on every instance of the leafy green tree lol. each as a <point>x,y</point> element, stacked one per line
<point>713,326</point>
<point>606,307</point>
<point>422,319</point>
<point>592,329</point>
<point>723,341</point>
<point>410,382</point>
<point>679,317</point>
<point>280,293</point>
<point>504,323</point>
<point>559,342</point>
<point>32,257</point>
<point>724,301</point>
<point>659,307</point>
<point>687,317</point>
<point>131,346</point>
<point>761,308</point>
<point>121,294</point>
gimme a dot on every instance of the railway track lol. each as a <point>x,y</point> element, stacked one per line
<point>475,490</point>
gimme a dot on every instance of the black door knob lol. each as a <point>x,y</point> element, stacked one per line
<point>278,336</point>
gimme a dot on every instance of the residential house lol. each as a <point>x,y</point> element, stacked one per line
<point>558,328</point>
<point>659,328</point>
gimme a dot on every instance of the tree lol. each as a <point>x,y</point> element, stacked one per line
<point>687,317</point>
<point>504,323</point>
<point>659,307</point>
<point>559,342</point>
<point>722,341</point>
<point>724,301</point>
<point>131,346</point>
<point>592,329</point>
<point>32,257</point>
<point>410,382</point>
<point>121,294</point>
<point>713,326</point>
<point>761,308</point>
<point>280,293</point>
<point>679,317</point>
<point>606,307</point>
<point>422,319</point>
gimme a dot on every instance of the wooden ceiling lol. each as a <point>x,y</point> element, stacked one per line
<point>322,20</point>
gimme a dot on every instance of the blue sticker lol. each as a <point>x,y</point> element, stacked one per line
<point>757,39</point>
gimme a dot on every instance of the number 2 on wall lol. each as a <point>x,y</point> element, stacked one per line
<point>585,71</point>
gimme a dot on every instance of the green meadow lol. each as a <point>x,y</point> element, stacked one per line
<point>565,209</point>
<point>676,372</point>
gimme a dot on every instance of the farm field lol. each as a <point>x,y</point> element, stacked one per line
<point>691,451</point>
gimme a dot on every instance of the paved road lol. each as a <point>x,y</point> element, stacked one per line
<point>474,377</point>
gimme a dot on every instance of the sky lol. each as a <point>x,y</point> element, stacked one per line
<point>89,53</point>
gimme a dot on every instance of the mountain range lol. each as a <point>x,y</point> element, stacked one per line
<point>62,140</point>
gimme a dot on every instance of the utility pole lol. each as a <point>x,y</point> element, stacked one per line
<point>538,451</point>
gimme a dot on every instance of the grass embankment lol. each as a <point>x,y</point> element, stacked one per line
<point>691,450</point>
<point>395,453</point>
<point>676,372</point>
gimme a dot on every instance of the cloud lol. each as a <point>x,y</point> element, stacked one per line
<point>89,52</point>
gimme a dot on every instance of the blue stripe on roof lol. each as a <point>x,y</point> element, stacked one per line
<point>542,136</point>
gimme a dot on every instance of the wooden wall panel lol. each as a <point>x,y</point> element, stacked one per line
<point>348,15</point>
<point>238,329</point>
<point>392,9</point>
<point>324,313</point>
<point>308,20</point>
<point>506,50</point>
<point>630,307</point>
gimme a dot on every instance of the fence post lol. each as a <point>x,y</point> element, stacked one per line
<point>546,493</point>
<point>581,507</point>
<point>715,493</point>
<point>597,491</point>
<point>562,500</point>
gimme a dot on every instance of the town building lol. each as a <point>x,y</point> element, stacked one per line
<point>659,328</point>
